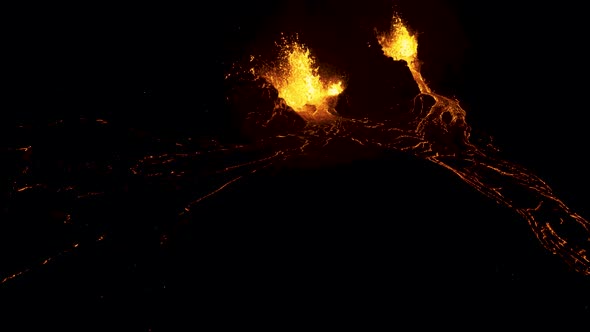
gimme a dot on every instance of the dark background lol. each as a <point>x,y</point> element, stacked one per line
<point>375,240</point>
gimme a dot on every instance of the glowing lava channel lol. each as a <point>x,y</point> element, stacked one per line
<point>296,78</point>
<point>446,136</point>
<point>446,115</point>
<point>441,135</point>
<point>400,44</point>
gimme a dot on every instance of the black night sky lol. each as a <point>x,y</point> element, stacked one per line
<point>377,238</point>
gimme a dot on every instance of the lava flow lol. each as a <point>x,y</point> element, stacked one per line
<point>441,135</point>
<point>505,182</point>
<point>289,110</point>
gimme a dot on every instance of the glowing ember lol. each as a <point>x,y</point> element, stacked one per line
<point>296,78</point>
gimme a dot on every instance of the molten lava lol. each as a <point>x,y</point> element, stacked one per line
<point>400,44</point>
<point>438,133</point>
<point>298,82</point>
<point>446,116</point>
<point>446,134</point>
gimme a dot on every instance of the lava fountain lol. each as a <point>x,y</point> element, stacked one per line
<point>296,77</point>
<point>443,126</point>
<point>441,135</point>
<point>438,132</point>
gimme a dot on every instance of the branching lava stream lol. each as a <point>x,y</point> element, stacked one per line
<point>301,119</point>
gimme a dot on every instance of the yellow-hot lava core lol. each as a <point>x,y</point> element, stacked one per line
<point>445,118</point>
<point>399,43</point>
<point>298,82</point>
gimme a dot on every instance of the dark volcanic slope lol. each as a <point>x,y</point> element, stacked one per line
<point>355,238</point>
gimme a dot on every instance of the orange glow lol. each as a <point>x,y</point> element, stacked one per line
<point>437,131</point>
<point>399,43</point>
<point>298,82</point>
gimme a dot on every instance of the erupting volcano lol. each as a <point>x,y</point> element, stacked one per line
<point>441,135</point>
<point>298,82</point>
<point>291,113</point>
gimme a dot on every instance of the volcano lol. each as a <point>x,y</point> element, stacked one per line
<point>160,178</point>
